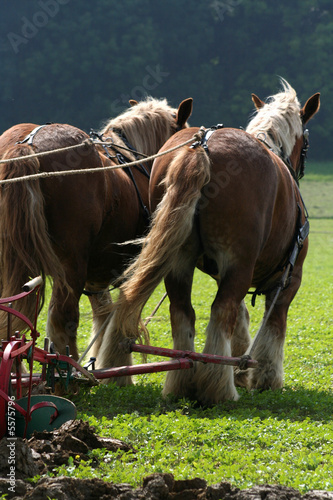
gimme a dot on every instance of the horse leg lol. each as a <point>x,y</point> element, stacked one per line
<point>182,316</point>
<point>240,342</point>
<point>268,347</point>
<point>215,382</point>
<point>114,350</point>
<point>100,305</point>
<point>241,338</point>
<point>63,320</point>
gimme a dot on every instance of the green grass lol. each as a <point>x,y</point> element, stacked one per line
<point>317,190</point>
<point>283,437</point>
<point>318,171</point>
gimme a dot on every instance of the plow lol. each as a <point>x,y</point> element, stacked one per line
<point>24,409</point>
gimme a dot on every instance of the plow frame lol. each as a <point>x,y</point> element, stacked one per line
<point>53,410</point>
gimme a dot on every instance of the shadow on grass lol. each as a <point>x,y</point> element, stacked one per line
<point>290,403</point>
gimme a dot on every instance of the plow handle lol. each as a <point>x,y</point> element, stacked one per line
<point>31,285</point>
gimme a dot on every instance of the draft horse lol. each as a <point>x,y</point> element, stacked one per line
<point>69,227</point>
<point>230,205</point>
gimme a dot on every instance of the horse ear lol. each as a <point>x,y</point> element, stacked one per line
<point>133,102</point>
<point>184,111</point>
<point>257,102</point>
<point>310,108</point>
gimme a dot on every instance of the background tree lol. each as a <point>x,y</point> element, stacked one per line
<point>80,62</point>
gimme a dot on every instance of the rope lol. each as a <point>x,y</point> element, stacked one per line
<point>155,310</point>
<point>87,170</point>
<point>86,142</point>
<point>81,358</point>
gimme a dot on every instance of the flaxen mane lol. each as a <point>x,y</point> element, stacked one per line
<point>278,123</point>
<point>151,113</point>
<point>239,228</point>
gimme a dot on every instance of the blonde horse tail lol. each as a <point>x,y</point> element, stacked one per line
<point>25,247</point>
<point>171,226</point>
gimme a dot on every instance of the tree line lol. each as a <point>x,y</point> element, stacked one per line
<point>80,62</point>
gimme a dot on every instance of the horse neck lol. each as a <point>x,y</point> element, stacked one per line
<point>280,132</point>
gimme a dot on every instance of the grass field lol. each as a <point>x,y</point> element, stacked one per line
<point>283,437</point>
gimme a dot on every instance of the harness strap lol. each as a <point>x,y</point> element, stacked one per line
<point>130,148</point>
<point>30,137</point>
<point>301,233</point>
<point>204,139</point>
<point>286,160</point>
<point>122,160</point>
<point>128,171</point>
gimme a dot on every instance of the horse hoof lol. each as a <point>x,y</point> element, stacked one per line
<point>241,378</point>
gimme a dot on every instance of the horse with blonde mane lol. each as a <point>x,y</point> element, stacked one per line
<point>230,205</point>
<point>69,227</point>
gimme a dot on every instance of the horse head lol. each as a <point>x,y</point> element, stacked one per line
<point>298,155</point>
<point>280,123</point>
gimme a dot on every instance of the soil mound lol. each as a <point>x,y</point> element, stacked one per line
<point>46,450</point>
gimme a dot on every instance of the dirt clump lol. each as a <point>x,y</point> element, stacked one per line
<point>46,450</point>
<point>73,439</point>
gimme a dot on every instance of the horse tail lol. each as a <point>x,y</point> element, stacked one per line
<point>25,246</point>
<point>172,225</point>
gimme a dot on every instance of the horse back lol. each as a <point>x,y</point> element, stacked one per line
<point>13,135</point>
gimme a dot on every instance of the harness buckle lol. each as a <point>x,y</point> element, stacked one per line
<point>30,137</point>
<point>204,139</point>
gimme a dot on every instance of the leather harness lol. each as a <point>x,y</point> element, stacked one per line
<point>121,158</point>
<point>301,231</point>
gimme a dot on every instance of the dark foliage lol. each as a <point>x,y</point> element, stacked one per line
<point>80,62</point>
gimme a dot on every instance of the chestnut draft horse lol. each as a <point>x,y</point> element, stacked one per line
<point>68,227</point>
<point>230,205</point>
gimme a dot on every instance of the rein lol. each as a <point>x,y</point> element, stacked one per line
<point>122,160</point>
<point>86,143</point>
<point>108,143</point>
<point>204,135</point>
